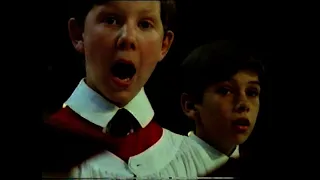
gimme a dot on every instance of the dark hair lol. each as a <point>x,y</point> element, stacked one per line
<point>213,63</point>
<point>79,10</point>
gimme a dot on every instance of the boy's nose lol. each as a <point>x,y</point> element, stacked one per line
<point>127,38</point>
<point>242,107</point>
<point>241,103</point>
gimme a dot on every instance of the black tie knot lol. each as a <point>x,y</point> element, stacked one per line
<point>122,123</point>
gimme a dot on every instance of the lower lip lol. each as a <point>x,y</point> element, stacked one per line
<point>240,129</point>
<point>121,82</point>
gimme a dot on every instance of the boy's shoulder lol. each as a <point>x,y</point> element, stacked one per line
<point>60,138</point>
<point>190,154</point>
<point>206,158</point>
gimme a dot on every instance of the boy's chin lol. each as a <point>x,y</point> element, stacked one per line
<point>240,139</point>
<point>120,98</point>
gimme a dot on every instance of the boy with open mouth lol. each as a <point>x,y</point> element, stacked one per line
<point>107,127</point>
<point>221,94</point>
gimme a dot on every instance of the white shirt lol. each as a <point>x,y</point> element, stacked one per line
<point>172,156</point>
<point>218,157</point>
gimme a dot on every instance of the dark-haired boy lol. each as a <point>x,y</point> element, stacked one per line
<point>221,93</point>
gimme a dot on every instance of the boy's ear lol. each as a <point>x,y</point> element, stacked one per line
<point>166,43</point>
<point>75,34</point>
<point>188,107</point>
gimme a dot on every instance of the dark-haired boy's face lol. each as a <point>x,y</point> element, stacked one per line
<point>122,42</point>
<point>229,109</point>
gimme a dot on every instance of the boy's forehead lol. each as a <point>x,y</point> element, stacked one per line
<point>244,77</point>
<point>246,74</point>
<point>137,6</point>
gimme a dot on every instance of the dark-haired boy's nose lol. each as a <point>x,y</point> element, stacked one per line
<point>241,104</point>
<point>242,107</point>
<point>127,38</point>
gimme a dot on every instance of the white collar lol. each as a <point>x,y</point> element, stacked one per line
<point>212,152</point>
<point>96,109</point>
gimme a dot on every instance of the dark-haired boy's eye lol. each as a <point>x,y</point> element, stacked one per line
<point>110,20</point>
<point>145,25</point>
<point>252,92</point>
<point>223,91</point>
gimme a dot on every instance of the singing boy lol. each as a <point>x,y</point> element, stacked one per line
<point>107,127</point>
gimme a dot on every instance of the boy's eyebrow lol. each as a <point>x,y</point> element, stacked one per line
<point>254,82</point>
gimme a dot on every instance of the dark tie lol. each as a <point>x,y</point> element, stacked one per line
<point>122,123</point>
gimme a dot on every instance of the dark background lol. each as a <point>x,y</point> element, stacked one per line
<point>198,22</point>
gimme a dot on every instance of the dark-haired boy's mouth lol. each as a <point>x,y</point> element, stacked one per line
<point>241,122</point>
<point>241,125</point>
<point>123,71</point>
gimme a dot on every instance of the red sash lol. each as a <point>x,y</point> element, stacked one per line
<point>71,139</point>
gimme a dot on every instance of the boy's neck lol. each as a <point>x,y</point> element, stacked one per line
<point>226,149</point>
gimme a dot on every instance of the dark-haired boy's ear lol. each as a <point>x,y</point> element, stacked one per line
<point>166,43</point>
<point>188,107</point>
<point>75,34</point>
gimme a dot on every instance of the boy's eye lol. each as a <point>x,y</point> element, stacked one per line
<point>252,92</point>
<point>223,91</point>
<point>110,20</point>
<point>145,24</point>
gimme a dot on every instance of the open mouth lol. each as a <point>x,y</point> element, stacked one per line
<point>124,70</point>
<point>241,122</point>
<point>241,125</point>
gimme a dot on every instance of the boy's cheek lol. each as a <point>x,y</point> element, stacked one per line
<point>151,54</point>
